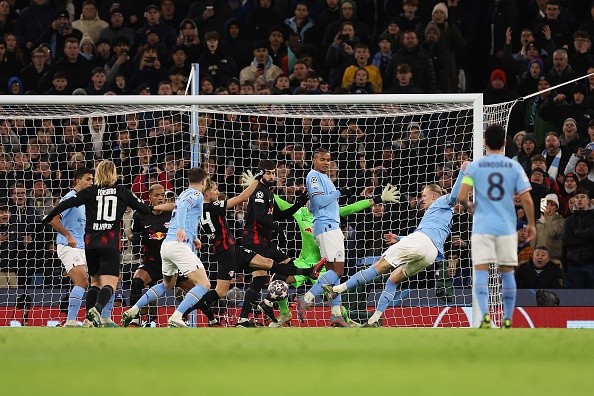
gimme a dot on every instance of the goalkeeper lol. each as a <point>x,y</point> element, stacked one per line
<point>310,251</point>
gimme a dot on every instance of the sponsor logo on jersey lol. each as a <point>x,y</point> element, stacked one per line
<point>157,235</point>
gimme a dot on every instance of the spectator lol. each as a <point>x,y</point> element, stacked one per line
<point>348,13</point>
<point>179,58</point>
<point>440,58</point>
<point>301,23</point>
<point>8,68</point>
<point>580,56</point>
<point>210,15</point>
<point>528,82</point>
<point>539,187</point>
<point>450,37</point>
<point>14,51</point>
<point>533,120</point>
<point>261,70</point>
<point>497,91</point>
<point>549,227</point>
<point>8,139</point>
<point>8,266</point>
<point>6,18</point>
<point>408,18</point>
<point>556,156</point>
<point>418,60</point>
<point>77,68</point>
<point>150,70</point>
<point>215,62</point>
<point>362,56</point>
<point>58,32</point>
<point>166,34</point>
<point>97,85</point>
<point>383,56</point>
<point>34,71</point>
<point>340,54</point>
<point>578,244</point>
<point>26,233</point>
<point>89,22</point>
<point>40,198</point>
<point>120,63</point>
<point>32,21</point>
<point>240,48</point>
<point>539,272</point>
<point>170,13</point>
<point>568,190</point>
<point>561,72</point>
<point>261,18</point>
<point>117,28</point>
<point>525,251</point>
<point>189,37</point>
<point>514,145</point>
<point>552,27</point>
<point>59,84</point>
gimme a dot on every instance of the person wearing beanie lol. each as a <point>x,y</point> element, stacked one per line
<point>528,83</point>
<point>497,91</point>
<point>441,57</point>
<point>450,38</point>
<point>527,150</point>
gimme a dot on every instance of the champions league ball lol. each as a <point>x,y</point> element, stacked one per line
<point>277,290</point>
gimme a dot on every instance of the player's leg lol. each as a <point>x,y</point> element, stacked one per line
<point>169,271</point>
<point>508,260</point>
<point>252,295</point>
<point>416,253</point>
<point>332,248</point>
<point>398,275</point>
<point>74,262</point>
<point>362,277</point>
<point>140,280</point>
<point>190,266</point>
<point>201,285</point>
<point>483,252</point>
<point>109,276</point>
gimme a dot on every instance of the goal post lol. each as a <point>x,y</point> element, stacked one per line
<point>372,139</point>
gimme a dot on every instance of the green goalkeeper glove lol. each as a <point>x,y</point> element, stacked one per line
<point>389,194</point>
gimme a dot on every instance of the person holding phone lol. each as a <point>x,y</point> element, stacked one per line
<point>262,71</point>
<point>149,70</point>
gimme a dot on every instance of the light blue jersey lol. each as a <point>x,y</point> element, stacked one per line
<point>437,220</point>
<point>323,202</point>
<point>495,179</point>
<point>186,215</point>
<point>74,221</point>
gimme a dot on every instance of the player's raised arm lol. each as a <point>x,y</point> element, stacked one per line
<point>250,181</point>
<point>62,206</point>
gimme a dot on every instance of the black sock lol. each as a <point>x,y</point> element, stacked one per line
<point>285,269</point>
<point>103,297</point>
<point>251,295</point>
<point>91,299</point>
<point>136,290</point>
<point>204,305</point>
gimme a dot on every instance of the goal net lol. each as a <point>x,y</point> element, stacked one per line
<point>407,141</point>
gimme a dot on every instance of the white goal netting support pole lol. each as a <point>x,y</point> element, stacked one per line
<point>373,141</point>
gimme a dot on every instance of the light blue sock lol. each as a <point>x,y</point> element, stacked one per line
<point>362,277</point>
<point>508,291</point>
<point>151,295</point>
<point>329,277</point>
<point>387,296</point>
<point>74,302</point>
<point>191,298</point>
<point>481,288</point>
<point>106,311</point>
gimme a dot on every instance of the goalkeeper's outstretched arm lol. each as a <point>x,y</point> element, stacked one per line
<point>390,193</point>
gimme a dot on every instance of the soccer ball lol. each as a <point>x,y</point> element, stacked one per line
<point>278,289</point>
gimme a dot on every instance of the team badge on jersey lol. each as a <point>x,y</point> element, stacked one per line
<point>314,181</point>
<point>259,197</point>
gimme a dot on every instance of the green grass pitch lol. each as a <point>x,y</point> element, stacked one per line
<point>385,361</point>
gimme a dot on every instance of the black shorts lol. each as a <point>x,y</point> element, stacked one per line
<point>103,261</point>
<point>269,251</point>
<point>232,260</point>
<point>154,269</point>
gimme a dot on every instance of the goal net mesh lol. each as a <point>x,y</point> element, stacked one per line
<point>372,145</point>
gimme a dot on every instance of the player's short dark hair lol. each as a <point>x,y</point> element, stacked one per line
<point>196,175</point>
<point>80,172</point>
<point>320,151</point>
<point>266,164</point>
<point>495,137</point>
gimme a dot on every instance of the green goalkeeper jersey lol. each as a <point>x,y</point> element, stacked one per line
<point>310,251</point>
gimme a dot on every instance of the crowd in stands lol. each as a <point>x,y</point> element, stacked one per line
<point>506,49</point>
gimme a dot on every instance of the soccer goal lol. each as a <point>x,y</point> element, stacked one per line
<point>408,141</point>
